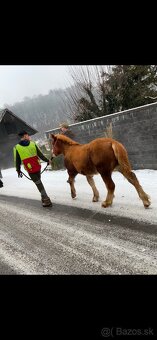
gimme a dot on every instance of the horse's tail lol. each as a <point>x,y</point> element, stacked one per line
<point>125,168</point>
<point>122,157</point>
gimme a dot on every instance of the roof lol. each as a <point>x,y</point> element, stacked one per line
<point>2,112</point>
<point>6,112</point>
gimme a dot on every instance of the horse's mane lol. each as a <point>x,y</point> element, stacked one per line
<point>66,139</point>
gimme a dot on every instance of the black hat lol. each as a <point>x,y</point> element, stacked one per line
<point>22,133</point>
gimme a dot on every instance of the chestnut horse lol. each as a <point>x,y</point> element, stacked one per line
<point>102,156</point>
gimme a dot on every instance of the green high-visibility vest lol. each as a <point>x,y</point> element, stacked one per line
<point>25,151</point>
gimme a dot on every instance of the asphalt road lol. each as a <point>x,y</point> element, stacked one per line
<point>70,240</point>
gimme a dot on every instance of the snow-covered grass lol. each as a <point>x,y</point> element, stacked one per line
<point>126,201</point>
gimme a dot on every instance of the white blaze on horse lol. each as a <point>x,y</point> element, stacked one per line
<point>102,155</point>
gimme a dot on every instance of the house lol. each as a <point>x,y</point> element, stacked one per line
<point>10,125</point>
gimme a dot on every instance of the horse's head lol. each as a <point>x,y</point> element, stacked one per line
<point>56,145</point>
<point>60,143</point>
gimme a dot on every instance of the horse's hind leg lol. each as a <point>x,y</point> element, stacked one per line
<point>72,187</point>
<point>110,189</point>
<point>95,191</point>
<point>131,177</point>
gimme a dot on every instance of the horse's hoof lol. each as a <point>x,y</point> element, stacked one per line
<point>146,205</point>
<point>106,204</point>
<point>95,199</point>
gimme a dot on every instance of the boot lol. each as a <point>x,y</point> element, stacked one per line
<point>46,202</point>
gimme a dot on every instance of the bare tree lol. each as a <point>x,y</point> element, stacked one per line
<point>88,98</point>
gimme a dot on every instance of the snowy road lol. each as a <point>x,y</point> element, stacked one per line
<point>70,240</point>
<point>126,202</point>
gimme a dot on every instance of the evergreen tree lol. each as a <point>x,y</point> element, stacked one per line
<point>132,86</point>
<point>104,90</point>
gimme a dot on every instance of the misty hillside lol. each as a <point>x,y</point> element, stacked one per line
<point>44,112</point>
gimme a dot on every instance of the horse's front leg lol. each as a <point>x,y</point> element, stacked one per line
<point>71,180</point>
<point>95,191</point>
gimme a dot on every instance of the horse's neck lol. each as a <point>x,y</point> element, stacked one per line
<point>66,148</point>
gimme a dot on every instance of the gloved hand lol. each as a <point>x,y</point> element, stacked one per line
<point>19,173</point>
<point>50,161</point>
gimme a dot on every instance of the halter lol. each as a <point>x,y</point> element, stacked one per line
<point>53,148</point>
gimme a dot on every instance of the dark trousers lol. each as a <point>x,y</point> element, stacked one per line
<point>36,178</point>
<point>1,184</point>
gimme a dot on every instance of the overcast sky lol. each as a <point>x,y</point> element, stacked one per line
<point>17,82</point>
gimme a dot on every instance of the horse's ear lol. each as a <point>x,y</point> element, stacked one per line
<point>52,136</point>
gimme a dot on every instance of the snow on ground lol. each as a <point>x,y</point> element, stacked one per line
<point>126,202</point>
